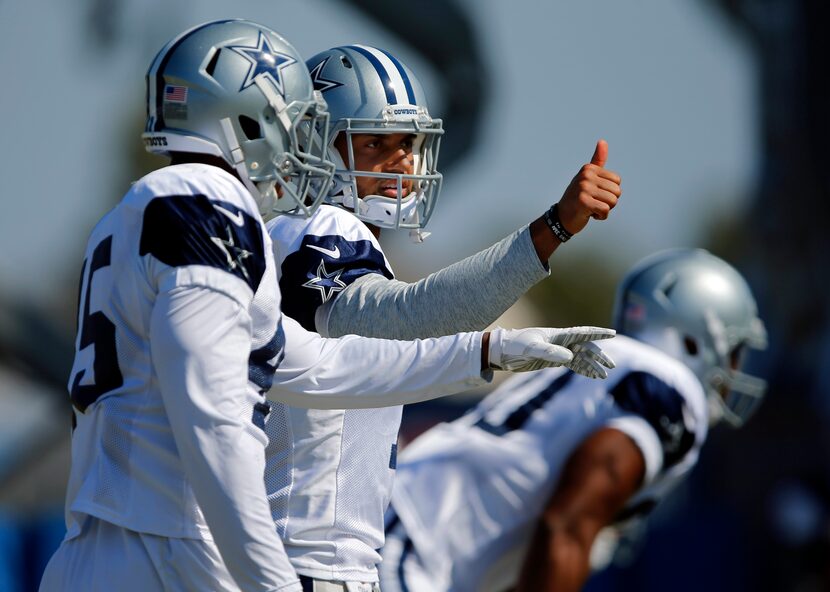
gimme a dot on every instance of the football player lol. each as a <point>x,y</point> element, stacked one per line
<point>180,335</point>
<point>512,495</point>
<point>335,279</point>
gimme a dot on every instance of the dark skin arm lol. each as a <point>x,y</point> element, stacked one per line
<point>600,477</point>
<point>592,193</point>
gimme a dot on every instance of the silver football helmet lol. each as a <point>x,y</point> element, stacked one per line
<point>369,91</point>
<point>238,90</point>
<point>698,309</point>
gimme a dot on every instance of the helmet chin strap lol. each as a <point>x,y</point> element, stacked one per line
<point>417,235</point>
<point>382,208</point>
<point>340,191</point>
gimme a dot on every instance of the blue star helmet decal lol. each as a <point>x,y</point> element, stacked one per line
<point>264,60</point>
<point>320,83</point>
<point>328,283</point>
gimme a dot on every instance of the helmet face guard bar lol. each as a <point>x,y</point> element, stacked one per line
<point>410,209</point>
<point>743,395</point>
<point>303,173</point>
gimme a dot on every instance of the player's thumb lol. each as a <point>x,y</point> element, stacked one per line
<point>549,352</point>
<point>600,153</point>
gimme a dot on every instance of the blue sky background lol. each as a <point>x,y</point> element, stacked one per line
<point>666,83</point>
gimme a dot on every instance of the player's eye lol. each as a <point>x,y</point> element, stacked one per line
<point>371,142</point>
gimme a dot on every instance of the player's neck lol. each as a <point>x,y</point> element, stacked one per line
<point>373,229</point>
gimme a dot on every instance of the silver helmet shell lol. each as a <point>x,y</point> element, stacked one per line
<point>238,90</point>
<point>700,310</point>
<point>369,91</point>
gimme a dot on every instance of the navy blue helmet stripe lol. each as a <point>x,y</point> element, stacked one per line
<point>391,98</point>
<point>410,93</point>
<point>159,123</point>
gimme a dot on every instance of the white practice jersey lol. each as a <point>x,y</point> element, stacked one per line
<point>180,335</point>
<point>469,493</point>
<point>164,416</point>
<point>329,472</point>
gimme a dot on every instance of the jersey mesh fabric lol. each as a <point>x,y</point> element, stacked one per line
<point>116,442</point>
<point>278,467</point>
<point>365,482</point>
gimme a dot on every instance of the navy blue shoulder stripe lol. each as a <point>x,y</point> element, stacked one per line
<point>410,93</point>
<point>264,362</point>
<point>382,73</point>
<point>320,269</point>
<point>663,407</point>
<point>194,230</point>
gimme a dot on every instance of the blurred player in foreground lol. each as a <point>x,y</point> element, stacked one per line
<point>180,335</point>
<point>513,495</point>
<point>335,279</point>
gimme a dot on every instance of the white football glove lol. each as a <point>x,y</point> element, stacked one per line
<point>525,350</point>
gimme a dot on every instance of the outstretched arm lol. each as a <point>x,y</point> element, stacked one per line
<point>466,296</point>
<point>470,294</point>
<point>600,477</point>
<point>360,372</point>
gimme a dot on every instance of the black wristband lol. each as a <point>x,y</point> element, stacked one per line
<point>555,224</point>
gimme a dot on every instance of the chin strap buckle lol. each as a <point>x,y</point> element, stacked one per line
<point>418,236</point>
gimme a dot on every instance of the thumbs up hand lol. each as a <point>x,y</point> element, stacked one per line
<point>592,193</point>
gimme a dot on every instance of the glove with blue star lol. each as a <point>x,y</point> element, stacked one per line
<point>525,350</point>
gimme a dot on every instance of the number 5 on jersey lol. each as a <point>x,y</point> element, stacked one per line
<point>97,330</point>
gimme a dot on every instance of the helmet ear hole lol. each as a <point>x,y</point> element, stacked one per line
<point>250,127</point>
<point>690,345</point>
